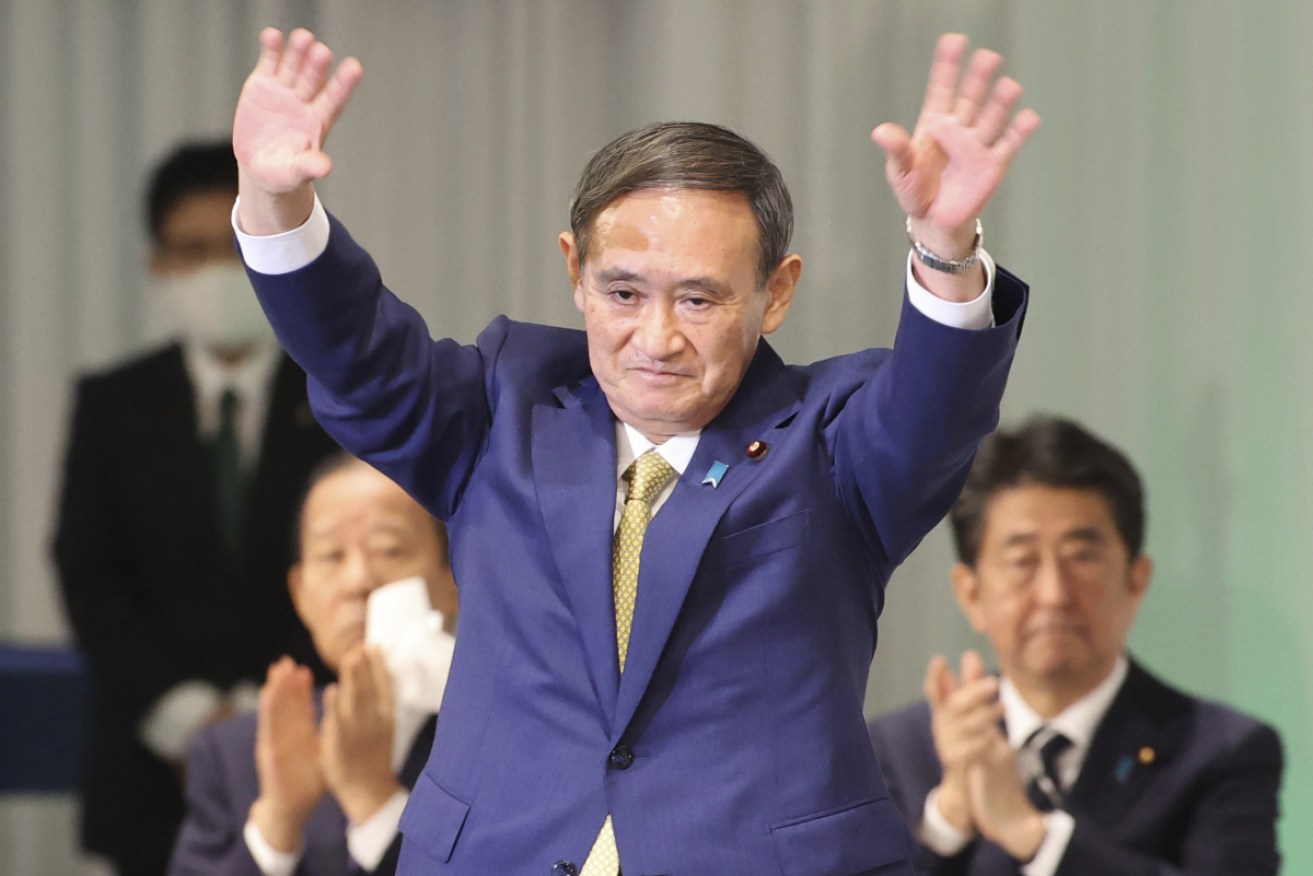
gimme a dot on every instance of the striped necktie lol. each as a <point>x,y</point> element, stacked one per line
<point>1045,787</point>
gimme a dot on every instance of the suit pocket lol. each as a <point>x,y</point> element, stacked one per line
<point>868,838</point>
<point>746,545</point>
<point>433,819</point>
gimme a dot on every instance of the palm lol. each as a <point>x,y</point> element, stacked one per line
<point>949,167</point>
<point>286,109</point>
<point>272,131</point>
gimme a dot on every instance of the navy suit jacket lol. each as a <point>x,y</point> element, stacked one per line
<point>734,741</point>
<point>1204,803</point>
<point>151,594</point>
<point>222,783</point>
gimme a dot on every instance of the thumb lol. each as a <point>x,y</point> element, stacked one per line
<point>896,143</point>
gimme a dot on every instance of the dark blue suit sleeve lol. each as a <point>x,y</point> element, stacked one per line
<point>904,441</point>
<point>210,841</point>
<point>416,409</point>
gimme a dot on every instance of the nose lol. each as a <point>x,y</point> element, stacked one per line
<point>359,576</point>
<point>1052,583</point>
<point>658,335</point>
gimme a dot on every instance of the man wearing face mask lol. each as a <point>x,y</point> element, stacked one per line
<point>183,471</point>
<point>286,790</point>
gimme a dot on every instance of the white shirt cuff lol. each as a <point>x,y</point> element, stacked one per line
<point>368,841</point>
<point>176,716</point>
<point>1058,828</point>
<point>270,861</point>
<point>977,313</point>
<point>288,251</point>
<point>936,834</point>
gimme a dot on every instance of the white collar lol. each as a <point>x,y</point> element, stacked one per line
<point>1077,722</point>
<point>630,444</point>
<point>211,376</point>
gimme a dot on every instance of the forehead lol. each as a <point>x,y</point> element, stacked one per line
<point>204,213</point>
<point>1037,512</point>
<point>355,500</point>
<point>671,222</point>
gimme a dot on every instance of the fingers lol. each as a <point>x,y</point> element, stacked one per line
<point>1024,124</point>
<point>942,84</point>
<point>334,96</point>
<point>271,50</point>
<point>897,146</point>
<point>975,84</point>
<point>293,58</point>
<point>973,668</point>
<point>939,681</point>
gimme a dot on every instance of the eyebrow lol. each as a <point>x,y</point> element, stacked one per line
<point>1087,534</point>
<point>710,284</point>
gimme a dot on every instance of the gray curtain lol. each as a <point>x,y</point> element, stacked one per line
<point>1157,215</point>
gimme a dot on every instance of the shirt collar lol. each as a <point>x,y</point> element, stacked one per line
<point>1077,722</point>
<point>631,444</point>
<point>211,376</point>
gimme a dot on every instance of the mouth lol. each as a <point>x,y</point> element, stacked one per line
<point>658,376</point>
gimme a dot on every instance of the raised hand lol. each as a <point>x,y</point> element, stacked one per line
<point>964,717</point>
<point>286,109</point>
<point>286,755</point>
<point>1002,811</point>
<point>356,735</point>
<point>945,172</point>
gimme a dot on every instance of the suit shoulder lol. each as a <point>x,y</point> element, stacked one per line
<point>141,370</point>
<point>550,354</point>
<point>231,741</point>
<point>1218,724</point>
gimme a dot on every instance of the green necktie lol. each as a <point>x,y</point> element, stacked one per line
<point>229,488</point>
<point>647,477</point>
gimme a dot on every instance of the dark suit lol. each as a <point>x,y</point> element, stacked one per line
<point>734,741</point>
<point>152,596</point>
<point>1204,803</point>
<point>222,783</point>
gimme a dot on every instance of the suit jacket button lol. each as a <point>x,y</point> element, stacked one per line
<point>622,757</point>
<point>565,868</point>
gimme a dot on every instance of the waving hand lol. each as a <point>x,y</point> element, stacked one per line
<point>286,109</point>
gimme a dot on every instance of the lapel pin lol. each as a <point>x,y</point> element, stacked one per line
<point>715,473</point>
<point>757,449</point>
<point>1147,755</point>
<point>1123,770</point>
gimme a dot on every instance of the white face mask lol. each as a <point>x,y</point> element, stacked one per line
<point>214,306</point>
<point>400,620</point>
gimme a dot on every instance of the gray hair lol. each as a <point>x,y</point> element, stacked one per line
<point>687,155</point>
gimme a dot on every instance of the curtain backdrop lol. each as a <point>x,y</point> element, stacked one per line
<point>1160,215</point>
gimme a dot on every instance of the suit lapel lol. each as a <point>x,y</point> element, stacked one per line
<point>677,536</point>
<point>574,462</point>
<point>1134,741</point>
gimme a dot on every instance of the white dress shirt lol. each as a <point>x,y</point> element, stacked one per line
<point>1078,722</point>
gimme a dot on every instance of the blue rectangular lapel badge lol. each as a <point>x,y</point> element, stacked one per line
<point>715,473</point>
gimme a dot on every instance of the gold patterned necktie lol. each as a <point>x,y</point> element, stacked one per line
<point>647,477</point>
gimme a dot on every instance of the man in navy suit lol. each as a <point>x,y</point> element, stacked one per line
<point>281,792</point>
<point>1075,760</point>
<point>681,696</point>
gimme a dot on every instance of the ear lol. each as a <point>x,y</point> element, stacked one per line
<point>571,254</point>
<point>783,280</point>
<point>966,587</point>
<point>1138,576</point>
<point>294,588</point>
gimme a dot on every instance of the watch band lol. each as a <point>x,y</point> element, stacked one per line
<point>947,266</point>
